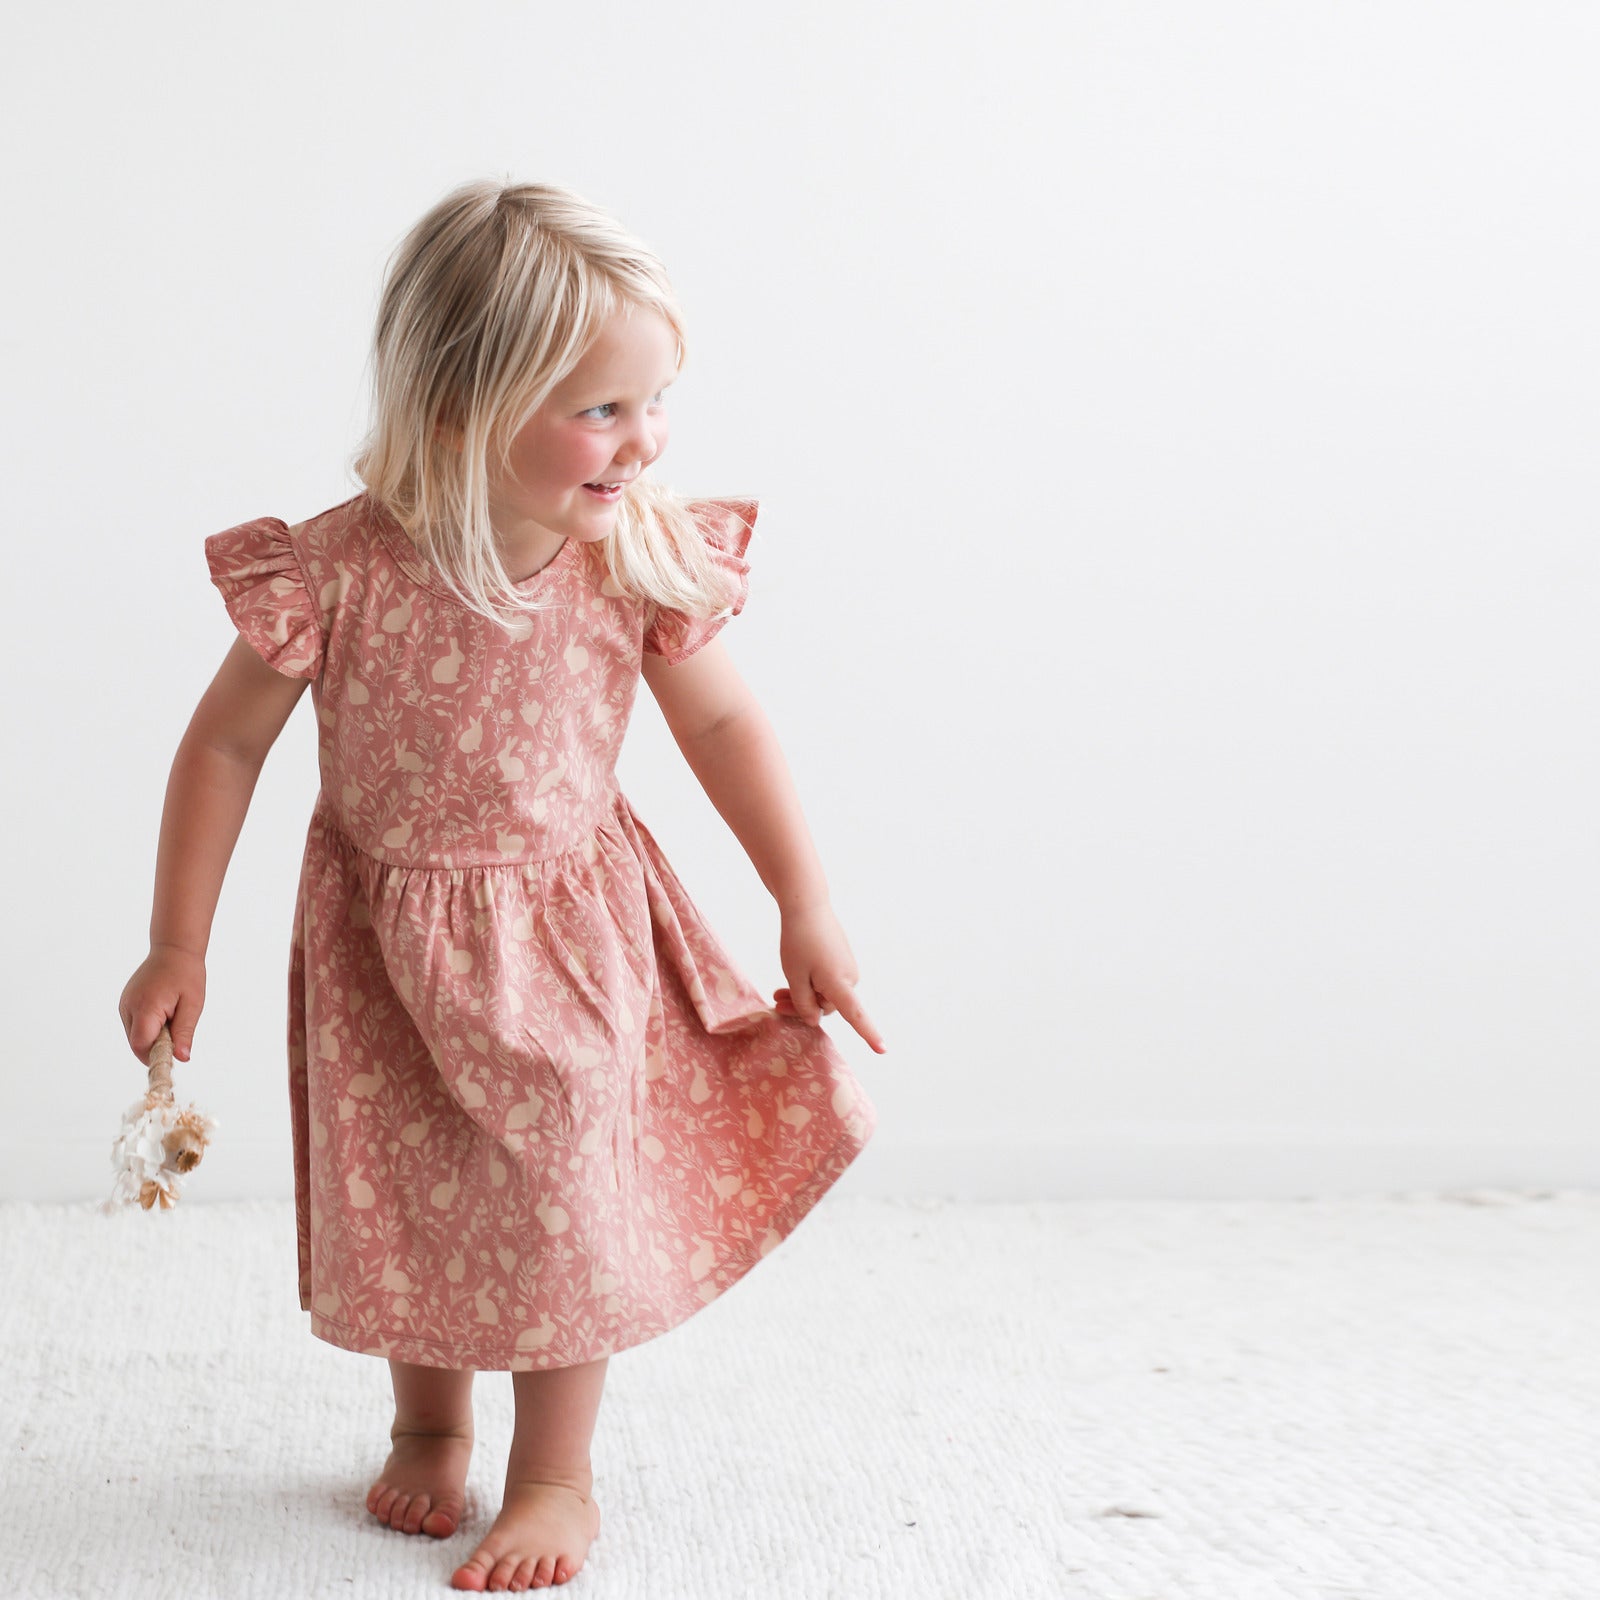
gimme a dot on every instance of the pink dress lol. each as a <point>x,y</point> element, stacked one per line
<point>538,1113</point>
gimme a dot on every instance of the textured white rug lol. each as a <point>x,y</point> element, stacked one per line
<point>1391,1398</point>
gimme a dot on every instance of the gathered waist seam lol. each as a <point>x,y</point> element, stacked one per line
<point>324,815</point>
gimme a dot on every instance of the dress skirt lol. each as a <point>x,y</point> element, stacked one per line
<point>482,1183</point>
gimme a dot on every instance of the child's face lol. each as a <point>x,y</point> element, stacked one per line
<point>603,423</point>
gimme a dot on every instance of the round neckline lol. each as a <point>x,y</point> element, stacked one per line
<point>416,567</point>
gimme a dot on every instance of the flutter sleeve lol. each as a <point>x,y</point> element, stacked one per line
<point>264,588</point>
<point>727,526</point>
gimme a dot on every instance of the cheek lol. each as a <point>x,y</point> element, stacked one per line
<point>557,457</point>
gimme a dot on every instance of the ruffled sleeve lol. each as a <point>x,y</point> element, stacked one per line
<point>727,526</point>
<point>264,588</point>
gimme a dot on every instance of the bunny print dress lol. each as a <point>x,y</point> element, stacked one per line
<point>538,1113</point>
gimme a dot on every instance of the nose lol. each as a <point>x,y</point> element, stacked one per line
<point>640,444</point>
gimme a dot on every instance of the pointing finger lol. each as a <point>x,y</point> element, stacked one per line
<point>855,1014</point>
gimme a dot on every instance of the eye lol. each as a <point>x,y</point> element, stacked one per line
<point>658,398</point>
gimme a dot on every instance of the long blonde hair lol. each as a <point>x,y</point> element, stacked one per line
<point>488,303</point>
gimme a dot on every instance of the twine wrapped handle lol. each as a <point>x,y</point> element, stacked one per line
<point>184,1144</point>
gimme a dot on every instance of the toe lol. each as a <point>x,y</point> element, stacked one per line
<point>504,1569</point>
<point>442,1520</point>
<point>381,1501</point>
<point>542,1573</point>
<point>418,1509</point>
<point>397,1512</point>
<point>471,1574</point>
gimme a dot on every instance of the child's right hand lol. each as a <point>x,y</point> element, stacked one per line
<point>169,987</point>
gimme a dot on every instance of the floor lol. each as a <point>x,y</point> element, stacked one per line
<point>1392,1397</point>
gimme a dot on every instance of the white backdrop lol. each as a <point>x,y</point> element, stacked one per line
<point>1176,583</point>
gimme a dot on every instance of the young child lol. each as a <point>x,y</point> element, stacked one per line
<point>539,1116</point>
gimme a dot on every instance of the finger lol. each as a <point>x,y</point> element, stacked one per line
<point>183,1025</point>
<point>832,994</point>
<point>809,1004</point>
<point>141,1033</point>
<point>853,1012</point>
<point>147,1025</point>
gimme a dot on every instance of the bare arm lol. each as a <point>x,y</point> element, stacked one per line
<point>742,769</point>
<point>213,776</point>
<point>731,748</point>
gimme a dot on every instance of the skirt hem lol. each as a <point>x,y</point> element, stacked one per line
<point>408,1347</point>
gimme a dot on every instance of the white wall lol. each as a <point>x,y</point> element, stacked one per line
<point>1176,587</point>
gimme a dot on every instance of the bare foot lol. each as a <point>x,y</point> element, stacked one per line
<point>421,1488</point>
<point>541,1537</point>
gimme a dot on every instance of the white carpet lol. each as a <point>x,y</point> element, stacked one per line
<point>1391,1398</point>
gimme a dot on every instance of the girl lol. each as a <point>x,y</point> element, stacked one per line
<point>538,1114</point>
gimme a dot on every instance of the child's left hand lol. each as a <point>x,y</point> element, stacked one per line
<point>821,970</point>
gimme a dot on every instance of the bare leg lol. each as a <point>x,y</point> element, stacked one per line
<point>549,1516</point>
<point>422,1485</point>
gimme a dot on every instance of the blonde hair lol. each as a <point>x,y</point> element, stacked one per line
<point>488,303</point>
